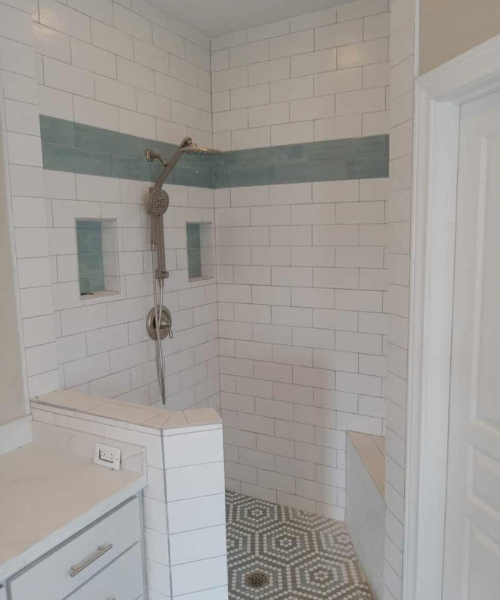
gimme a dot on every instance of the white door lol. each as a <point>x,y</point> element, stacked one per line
<point>472,537</point>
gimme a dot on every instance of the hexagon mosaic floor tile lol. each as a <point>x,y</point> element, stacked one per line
<point>305,557</point>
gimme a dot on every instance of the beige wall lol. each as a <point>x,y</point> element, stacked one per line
<point>450,27</point>
<point>12,397</point>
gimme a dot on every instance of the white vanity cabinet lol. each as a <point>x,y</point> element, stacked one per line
<point>103,562</point>
<point>122,580</point>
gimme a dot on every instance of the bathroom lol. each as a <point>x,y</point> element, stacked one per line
<point>208,230</point>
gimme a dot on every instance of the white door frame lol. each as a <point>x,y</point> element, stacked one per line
<point>438,97</point>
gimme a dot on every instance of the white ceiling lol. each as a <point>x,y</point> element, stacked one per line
<point>216,17</point>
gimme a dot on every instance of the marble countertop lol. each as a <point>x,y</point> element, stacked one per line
<point>46,497</point>
<point>152,417</point>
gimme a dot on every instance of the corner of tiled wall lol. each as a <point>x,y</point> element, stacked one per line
<point>397,301</point>
<point>194,474</point>
<point>20,115</point>
<point>298,81</point>
<point>184,513</point>
<point>301,266</point>
<point>126,67</point>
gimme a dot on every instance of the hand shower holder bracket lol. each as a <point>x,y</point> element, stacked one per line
<point>161,275</point>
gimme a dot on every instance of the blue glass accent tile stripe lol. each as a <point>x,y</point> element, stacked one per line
<point>78,148</point>
<point>354,158</point>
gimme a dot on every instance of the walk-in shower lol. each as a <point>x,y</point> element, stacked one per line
<point>159,319</point>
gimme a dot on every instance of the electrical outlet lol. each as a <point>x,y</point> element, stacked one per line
<point>107,456</point>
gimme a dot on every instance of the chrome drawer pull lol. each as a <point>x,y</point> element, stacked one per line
<point>101,550</point>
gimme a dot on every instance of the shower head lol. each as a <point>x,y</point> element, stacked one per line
<point>187,146</point>
<point>194,149</point>
<point>158,203</point>
<point>157,206</point>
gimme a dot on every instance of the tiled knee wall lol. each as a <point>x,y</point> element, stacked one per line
<point>184,502</point>
<point>301,282</point>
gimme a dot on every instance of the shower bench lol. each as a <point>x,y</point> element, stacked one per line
<point>365,504</point>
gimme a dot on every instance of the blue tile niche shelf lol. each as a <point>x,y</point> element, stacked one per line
<point>97,257</point>
<point>77,148</point>
<point>200,251</point>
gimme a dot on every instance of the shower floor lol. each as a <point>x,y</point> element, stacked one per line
<point>305,557</point>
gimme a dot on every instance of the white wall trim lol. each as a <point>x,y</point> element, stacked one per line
<point>438,97</point>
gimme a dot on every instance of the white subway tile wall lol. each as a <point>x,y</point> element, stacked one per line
<point>102,343</point>
<point>195,502</point>
<point>126,67</point>
<point>25,195</point>
<point>304,271</point>
<point>302,278</point>
<point>316,77</point>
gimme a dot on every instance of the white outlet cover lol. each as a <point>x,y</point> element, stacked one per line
<point>107,456</point>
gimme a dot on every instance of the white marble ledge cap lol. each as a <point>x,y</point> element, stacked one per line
<point>115,410</point>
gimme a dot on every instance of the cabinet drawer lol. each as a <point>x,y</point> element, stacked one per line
<point>68,567</point>
<point>121,580</point>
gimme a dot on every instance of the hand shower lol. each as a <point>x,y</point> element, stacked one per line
<point>158,202</point>
<point>157,206</point>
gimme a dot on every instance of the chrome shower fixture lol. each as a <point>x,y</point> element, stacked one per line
<point>159,322</point>
<point>158,203</point>
<point>165,328</point>
<point>157,206</point>
<point>158,199</point>
<point>187,146</point>
<point>194,149</point>
<point>151,156</point>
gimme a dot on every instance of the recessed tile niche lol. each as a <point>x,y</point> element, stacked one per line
<point>98,270</point>
<point>200,251</point>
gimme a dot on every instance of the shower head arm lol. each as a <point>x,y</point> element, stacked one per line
<point>165,174</point>
<point>171,164</point>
